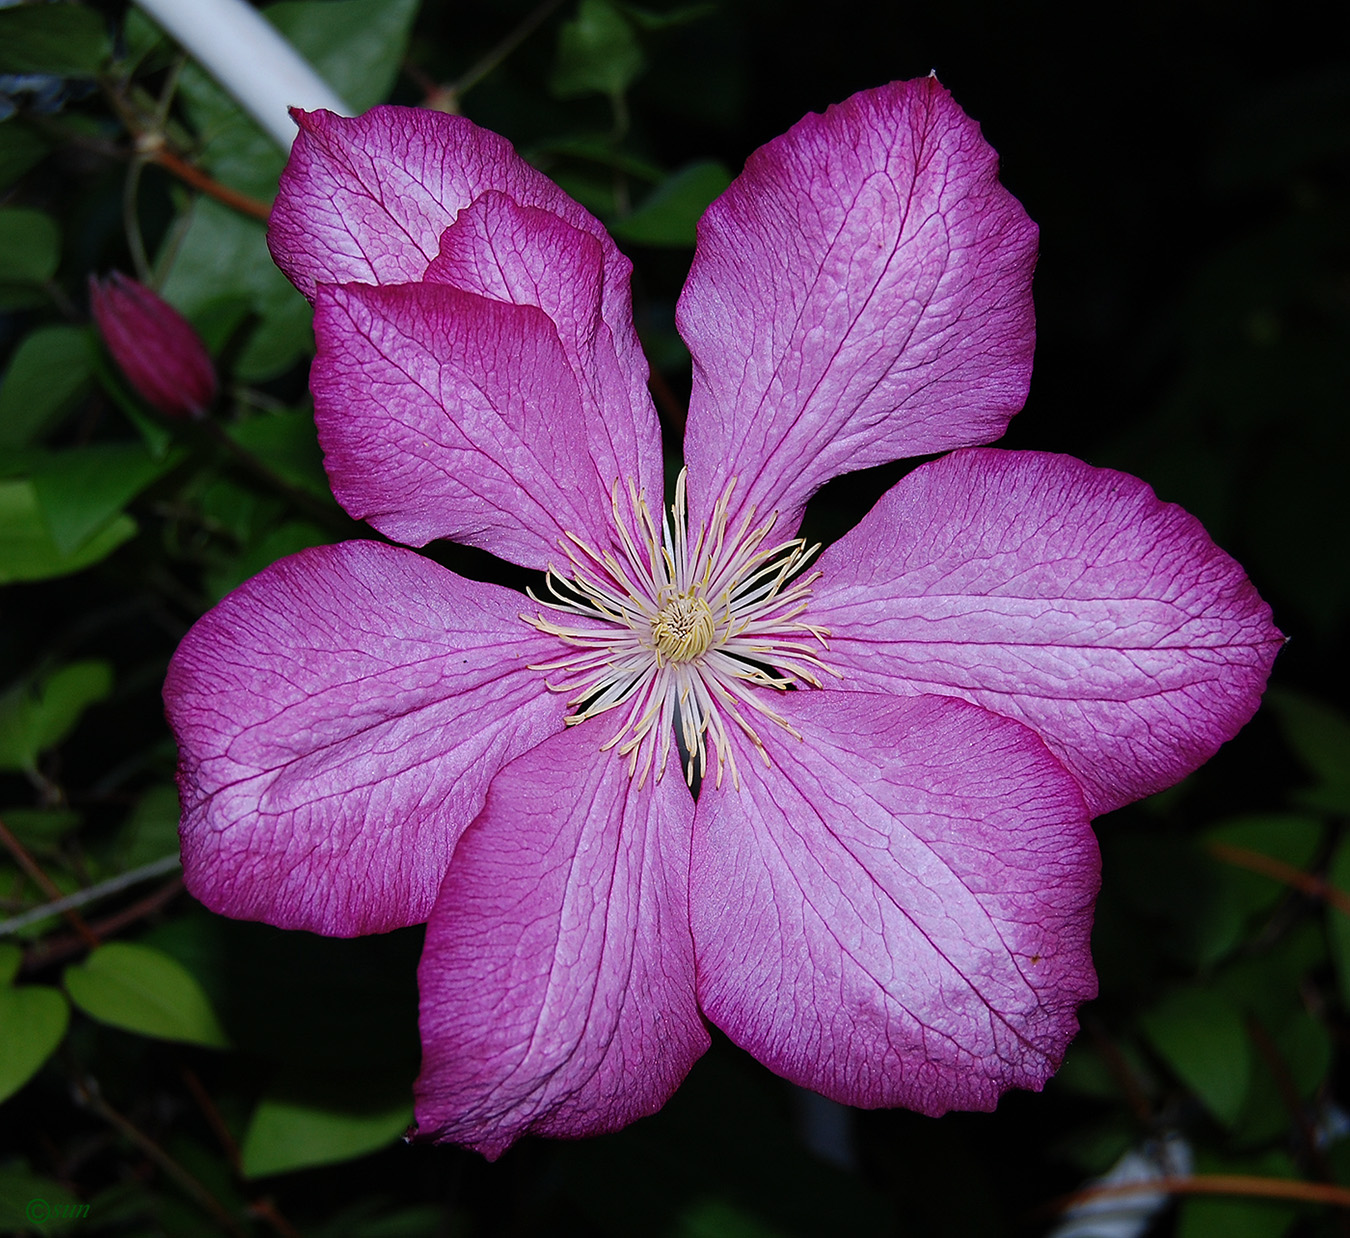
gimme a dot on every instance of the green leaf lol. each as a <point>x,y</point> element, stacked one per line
<point>293,536</point>
<point>11,957</point>
<point>1338,923</point>
<point>649,19</point>
<point>67,40</point>
<point>27,551</point>
<point>598,53</point>
<point>40,829</point>
<point>286,1133</point>
<point>1233,1218</point>
<point>151,831</point>
<point>288,444</point>
<point>142,990</point>
<point>670,216</point>
<point>31,722</point>
<point>30,246</point>
<point>1234,893</point>
<point>20,150</point>
<point>19,1188</point>
<point>1200,1036</point>
<point>47,375</point>
<point>33,1020</point>
<point>719,1218</point>
<point>355,45</point>
<point>1319,736</point>
<point>225,254</point>
<point>82,490</point>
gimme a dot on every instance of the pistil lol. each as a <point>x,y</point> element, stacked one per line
<point>684,636</point>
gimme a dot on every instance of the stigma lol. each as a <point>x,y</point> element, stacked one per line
<point>684,636</point>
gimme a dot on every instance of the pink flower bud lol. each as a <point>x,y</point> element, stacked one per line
<point>157,349</point>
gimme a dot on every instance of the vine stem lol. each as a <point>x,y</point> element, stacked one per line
<point>154,151</point>
<point>1244,1185</point>
<point>1287,874</point>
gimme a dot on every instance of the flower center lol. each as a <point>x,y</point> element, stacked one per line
<point>682,636</point>
<point>684,629</point>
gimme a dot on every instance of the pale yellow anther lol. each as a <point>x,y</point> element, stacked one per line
<point>684,629</point>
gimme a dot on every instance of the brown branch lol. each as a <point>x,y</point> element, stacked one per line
<point>1243,1185</point>
<point>194,176</point>
<point>1286,874</point>
<point>49,887</point>
<point>58,948</point>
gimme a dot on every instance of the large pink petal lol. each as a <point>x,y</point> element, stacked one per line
<point>1066,596</point>
<point>898,911</point>
<point>527,256</point>
<point>365,199</point>
<point>861,293</point>
<point>339,717</point>
<point>558,974</point>
<point>445,414</point>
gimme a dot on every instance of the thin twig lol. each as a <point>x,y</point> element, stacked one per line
<point>53,950</point>
<point>214,1120</point>
<point>1242,1185</point>
<point>49,887</point>
<point>91,894</point>
<point>87,1094</point>
<point>447,98</point>
<point>1278,870</point>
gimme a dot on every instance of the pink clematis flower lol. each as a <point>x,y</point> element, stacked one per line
<point>884,887</point>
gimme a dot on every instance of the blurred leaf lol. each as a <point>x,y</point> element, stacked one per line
<point>1338,923</point>
<point>293,536</point>
<point>18,1185</point>
<point>67,40</point>
<point>27,551</point>
<point>356,45</point>
<point>375,1218</point>
<point>1200,1036</point>
<point>1233,1218</point>
<point>33,1020</point>
<point>40,829</point>
<point>20,150</point>
<point>33,721</point>
<point>598,53</point>
<point>151,830</point>
<point>11,958</point>
<point>82,490</point>
<point>48,373</point>
<point>142,990</point>
<point>1320,738</point>
<point>718,1218</point>
<point>30,245</point>
<point>1237,892</point>
<point>649,19</point>
<point>224,254</point>
<point>288,444</point>
<point>286,1134</point>
<point>670,216</point>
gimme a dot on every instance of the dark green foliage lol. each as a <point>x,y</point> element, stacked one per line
<point>1189,170</point>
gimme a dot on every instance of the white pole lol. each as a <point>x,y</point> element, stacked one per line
<point>249,58</point>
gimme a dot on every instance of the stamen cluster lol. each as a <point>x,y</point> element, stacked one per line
<point>685,636</point>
